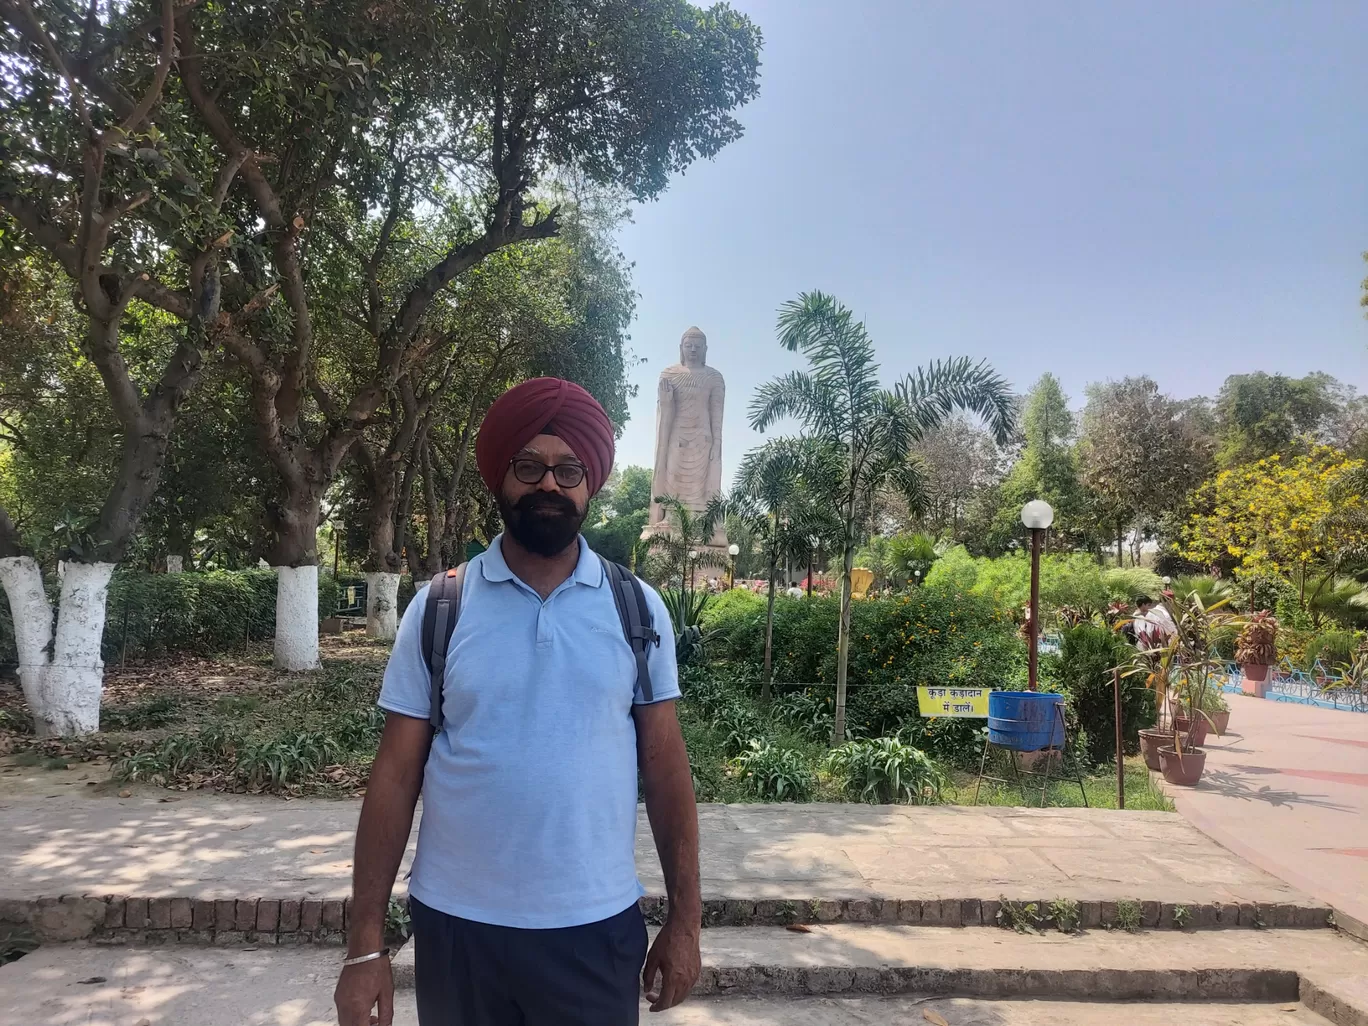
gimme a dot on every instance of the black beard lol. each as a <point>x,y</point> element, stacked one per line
<point>544,523</point>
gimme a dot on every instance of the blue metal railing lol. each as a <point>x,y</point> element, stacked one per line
<point>1319,687</point>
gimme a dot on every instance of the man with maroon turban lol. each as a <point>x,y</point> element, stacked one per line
<point>523,893</point>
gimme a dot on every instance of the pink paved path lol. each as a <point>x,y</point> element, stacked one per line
<point>1287,789</point>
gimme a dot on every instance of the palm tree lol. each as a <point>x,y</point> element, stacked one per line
<point>843,408</point>
<point>684,547</point>
<point>769,500</point>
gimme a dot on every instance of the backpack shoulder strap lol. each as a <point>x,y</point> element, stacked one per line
<point>635,614</point>
<point>440,613</point>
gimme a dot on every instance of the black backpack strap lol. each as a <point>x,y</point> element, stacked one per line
<point>635,614</point>
<point>440,613</point>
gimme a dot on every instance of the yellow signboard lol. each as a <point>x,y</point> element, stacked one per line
<point>970,703</point>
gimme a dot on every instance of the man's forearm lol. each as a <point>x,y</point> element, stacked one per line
<point>381,837</point>
<point>673,813</point>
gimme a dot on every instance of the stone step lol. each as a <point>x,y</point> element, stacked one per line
<point>70,983</point>
<point>840,959</point>
<point>291,919</point>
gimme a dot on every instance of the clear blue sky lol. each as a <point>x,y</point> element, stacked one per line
<point>1095,189</point>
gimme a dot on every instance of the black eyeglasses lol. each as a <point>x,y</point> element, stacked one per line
<point>568,475</point>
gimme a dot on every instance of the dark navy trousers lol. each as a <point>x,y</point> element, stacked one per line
<point>474,974</point>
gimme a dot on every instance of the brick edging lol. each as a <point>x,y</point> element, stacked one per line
<point>983,912</point>
<point>114,919</point>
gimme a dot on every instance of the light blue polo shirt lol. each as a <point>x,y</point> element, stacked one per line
<point>530,791</point>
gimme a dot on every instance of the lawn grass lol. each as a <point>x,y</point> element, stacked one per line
<point>1142,793</point>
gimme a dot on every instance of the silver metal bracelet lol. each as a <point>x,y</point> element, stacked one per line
<point>382,953</point>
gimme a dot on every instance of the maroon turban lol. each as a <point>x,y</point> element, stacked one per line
<point>545,406</point>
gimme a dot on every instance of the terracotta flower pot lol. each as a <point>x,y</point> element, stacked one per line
<point>1183,770</point>
<point>1150,742</point>
<point>1196,731</point>
<point>1255,671</point>
<point>1220,722</point>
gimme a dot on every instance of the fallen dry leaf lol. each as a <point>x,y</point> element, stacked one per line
<point>94,979</point>
<point>143,1022</point>
<point>934,1017</point>
<point>799,928</point>
<point>125,794</point>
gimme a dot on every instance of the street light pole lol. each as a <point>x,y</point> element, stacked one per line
<point>1037,516</point>
<point>733,550</point>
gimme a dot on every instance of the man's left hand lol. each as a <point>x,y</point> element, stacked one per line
<point>675,958</point>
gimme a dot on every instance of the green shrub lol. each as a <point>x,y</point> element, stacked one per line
<point>201,612</point>
<point>1083,669</point>
<point>884,770</point>
<point>948,739</point>
<point>810,715</point>
<point>1072,579</point>
<point>1332,648</point>
<point>773,773</point>
<point>1126,584</point>
<point>933,636</point>
<point>733,603</point>
<point>739,725</point>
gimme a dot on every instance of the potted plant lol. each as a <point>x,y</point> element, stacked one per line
<point>1256,651</point>
<point>1182,671</point>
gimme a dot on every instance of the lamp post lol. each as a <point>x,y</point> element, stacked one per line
<point>733,550</point>
<point>693,567</point>
<point>1037,516</point>
<point>917,574</point>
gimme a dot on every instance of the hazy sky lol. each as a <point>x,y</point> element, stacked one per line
<point>1092,188</point>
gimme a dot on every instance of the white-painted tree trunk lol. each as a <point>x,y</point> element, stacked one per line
<point>63,690</point>
<point>296,634</point>
<point>382,605</point>
<point>23,583</point>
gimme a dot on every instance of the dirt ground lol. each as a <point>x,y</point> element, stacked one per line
<point>201,687</point>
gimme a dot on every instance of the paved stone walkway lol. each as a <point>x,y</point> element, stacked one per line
<point>215,847</point>
<point>1287,789</point>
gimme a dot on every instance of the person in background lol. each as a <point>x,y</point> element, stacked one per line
<point>1153,624</point>
<point>524,889</point>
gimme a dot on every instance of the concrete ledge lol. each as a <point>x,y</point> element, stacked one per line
<point>1071,984</point>
<point>1341,999</point>
<point>117,919</point>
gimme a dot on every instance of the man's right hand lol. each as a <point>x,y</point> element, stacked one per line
<point>363,988</point>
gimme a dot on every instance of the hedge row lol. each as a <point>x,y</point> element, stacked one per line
<point>191,612</point>
<point>932,636</point>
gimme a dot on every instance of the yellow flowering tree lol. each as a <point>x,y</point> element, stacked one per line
<point>1298,517</point>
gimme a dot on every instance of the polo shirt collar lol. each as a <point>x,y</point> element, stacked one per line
<point>588,571</point>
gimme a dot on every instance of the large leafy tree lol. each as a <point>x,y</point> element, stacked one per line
<point>1302,518</point>
<point>618,514</point>
<point>1047,469</point>
<point>368,112</point>
<point>1262,414</point>
<point>89,181</point>
<point>560,307</point>
<point>841,406</point>
<point>960,461</point>
<point>1138,454</point>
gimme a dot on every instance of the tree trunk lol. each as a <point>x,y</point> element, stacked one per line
<point>843,644</point>
<point>1120,560</point>
<point>809,580</point>
<point>63,690</point>
<point>296,631</point>
<point>382,605</point>
<point>295,559</point>
<point>767,689</point>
